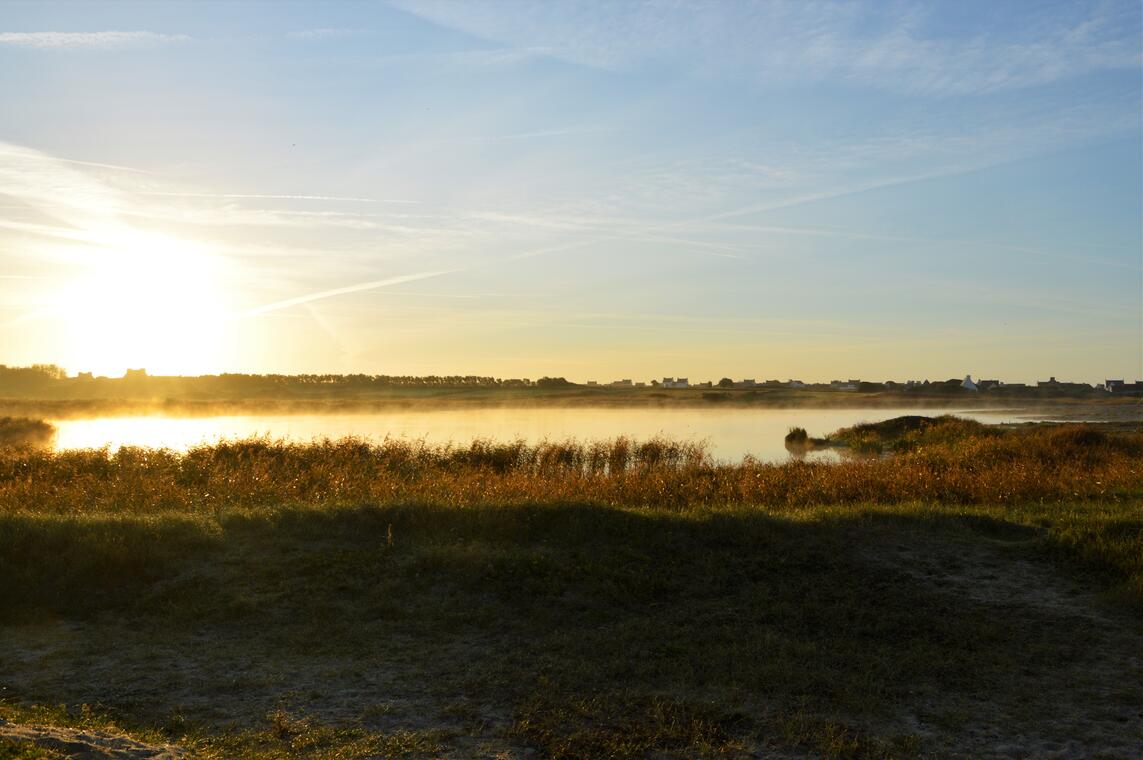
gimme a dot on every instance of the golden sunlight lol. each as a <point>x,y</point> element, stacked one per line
<point>145,300</point>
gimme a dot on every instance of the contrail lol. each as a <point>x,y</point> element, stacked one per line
<point>372,285</point>
<point>37,155</point>
<point>30,316</point>
<point>259,196</point>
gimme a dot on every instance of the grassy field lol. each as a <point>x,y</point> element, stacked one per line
<point>979,593</point>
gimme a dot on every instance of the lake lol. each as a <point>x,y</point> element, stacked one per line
<point>730,434</point>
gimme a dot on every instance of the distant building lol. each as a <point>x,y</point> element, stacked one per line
<point>968,385</point>
<point>1128,389</point>
<point>1055,385</point>
<point>795,384</point>
<point>84,376</point>
<point>1111,386</point>
<point>135,374</point>
<point>988,385</point>
<point>670,382</point>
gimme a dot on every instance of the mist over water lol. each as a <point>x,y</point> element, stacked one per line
<point>729,434</point>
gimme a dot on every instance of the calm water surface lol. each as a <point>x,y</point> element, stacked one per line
<point>729,434</point>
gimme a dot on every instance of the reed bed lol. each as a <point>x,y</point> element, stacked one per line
<point>1047,464</point>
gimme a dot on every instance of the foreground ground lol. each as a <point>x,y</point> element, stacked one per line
<point>318,620</point>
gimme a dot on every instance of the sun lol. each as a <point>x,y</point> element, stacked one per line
<point>146,300</point>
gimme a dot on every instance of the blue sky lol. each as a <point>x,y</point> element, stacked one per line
<point>596,190</point>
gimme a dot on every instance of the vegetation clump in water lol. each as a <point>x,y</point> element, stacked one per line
<point>899,434</point>
<point>799,440</point>
<point>23,432</point>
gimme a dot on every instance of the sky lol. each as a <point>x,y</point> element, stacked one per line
<point>809,189</point>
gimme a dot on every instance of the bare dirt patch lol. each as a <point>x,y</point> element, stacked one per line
<point>1076,685</point>
<point>87,745</point>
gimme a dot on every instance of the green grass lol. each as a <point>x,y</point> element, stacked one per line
<point>15,750</point>
<point>348,601</point>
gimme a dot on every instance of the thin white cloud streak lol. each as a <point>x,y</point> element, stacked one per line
<point>87,40</point>
<point>28,154</point>
<point>324,33</point>
<point>702,247</point>
<point>53,231</point>
<point>262,196</point>
<point>923,240</point>
<point>496,57</point>
<point>653,232</point>
<point>334,292</point>
<point>375,284</point>
<point>231,215</point>
<point>546,133</point>
<point>56,189</point>
<point>30,316</point>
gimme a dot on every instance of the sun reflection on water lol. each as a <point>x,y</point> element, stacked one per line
<point>729,434</point>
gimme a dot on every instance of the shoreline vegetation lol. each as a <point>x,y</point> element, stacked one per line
<point>975,588</point>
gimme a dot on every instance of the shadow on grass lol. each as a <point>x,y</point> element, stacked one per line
<point>592,629</point>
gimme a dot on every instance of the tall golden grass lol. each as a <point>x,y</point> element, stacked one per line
<point>1065,463</point>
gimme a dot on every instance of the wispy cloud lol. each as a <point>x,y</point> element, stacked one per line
<point>880,45</point>
<point>56,187</point>
<point>91,40</point>
<point>494,57</point>
<point>563,132</point>
<point>324,33</point>
<point>82,201</point>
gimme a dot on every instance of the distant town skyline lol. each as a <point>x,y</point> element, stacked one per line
<point>585,189</point>
<point>679,381</point>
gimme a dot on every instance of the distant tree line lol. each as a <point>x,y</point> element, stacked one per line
<point>48,379</point>
<point>52,382</point>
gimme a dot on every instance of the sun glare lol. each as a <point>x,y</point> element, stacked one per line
<point>146,300</point>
